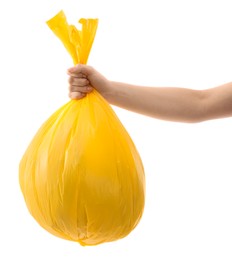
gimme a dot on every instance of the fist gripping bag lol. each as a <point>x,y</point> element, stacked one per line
<point>81,176</point>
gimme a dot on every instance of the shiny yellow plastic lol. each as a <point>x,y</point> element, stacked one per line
<point>81,176</point>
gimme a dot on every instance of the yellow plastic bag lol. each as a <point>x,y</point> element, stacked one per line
<point>81,176</point>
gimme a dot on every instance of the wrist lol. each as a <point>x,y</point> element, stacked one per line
<point>109,91</point>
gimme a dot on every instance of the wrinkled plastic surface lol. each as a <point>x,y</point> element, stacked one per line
<point>81,176</point>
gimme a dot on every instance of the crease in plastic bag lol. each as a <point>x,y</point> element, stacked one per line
<point>81,176</point>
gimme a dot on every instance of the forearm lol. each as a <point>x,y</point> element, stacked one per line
<point>165,103</point>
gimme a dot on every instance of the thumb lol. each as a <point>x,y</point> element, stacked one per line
<point>80,69</point>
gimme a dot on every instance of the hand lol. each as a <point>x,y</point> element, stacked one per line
<point>82,80</point>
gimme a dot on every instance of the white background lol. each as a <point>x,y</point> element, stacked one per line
<point>188,211</point>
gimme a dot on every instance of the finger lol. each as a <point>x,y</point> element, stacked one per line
<point>80,82</point>
<point>80,68</point>
<point>86,89</point>
<point>77,75</point>
<point>76,95</point>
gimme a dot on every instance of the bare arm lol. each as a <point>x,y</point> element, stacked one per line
<point>172,103</point>
<point>165,103</point>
